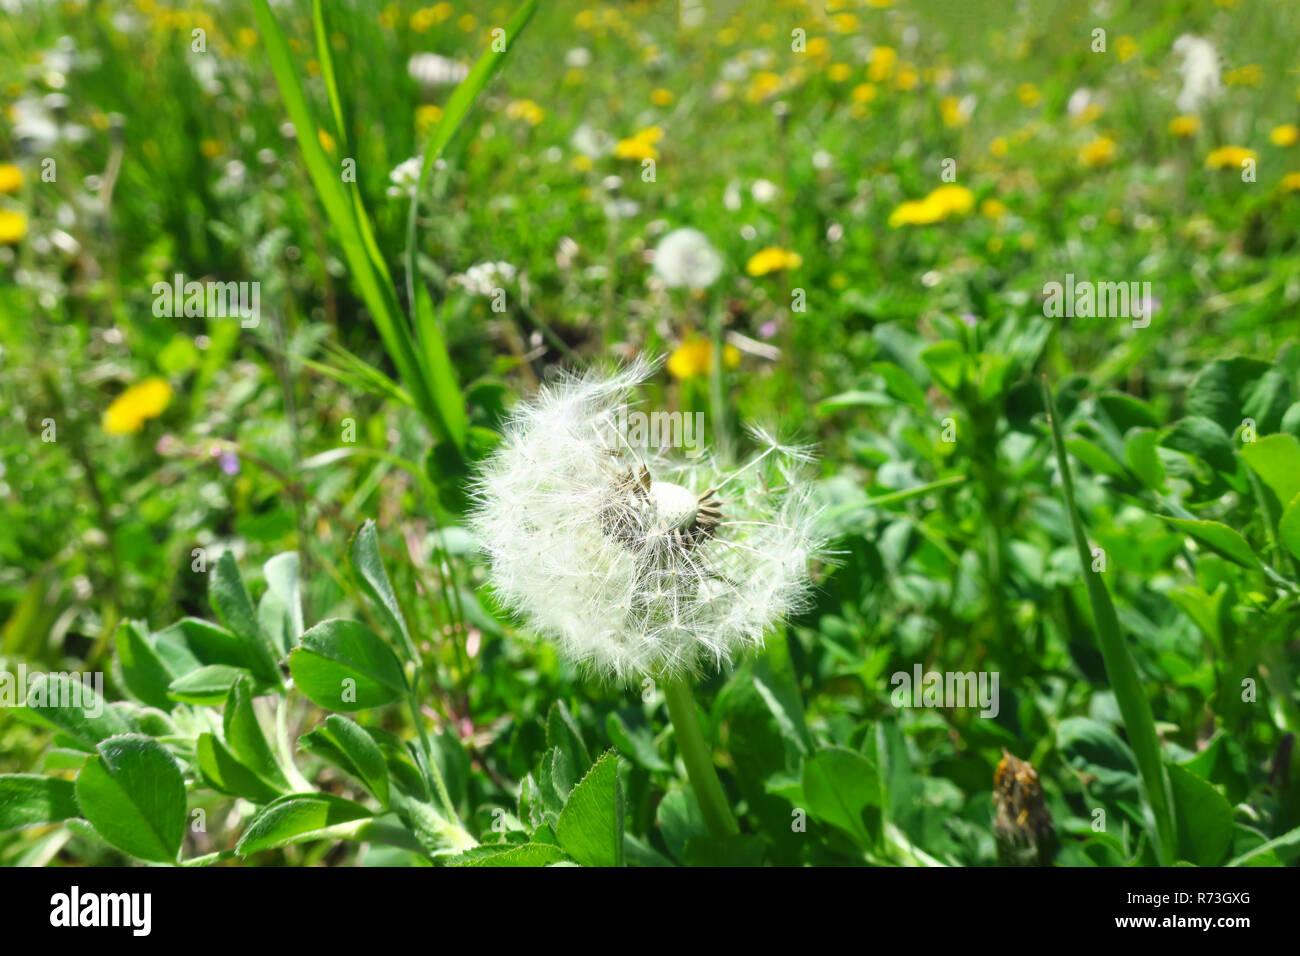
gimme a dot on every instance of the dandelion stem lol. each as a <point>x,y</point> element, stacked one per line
<point>699,761</point>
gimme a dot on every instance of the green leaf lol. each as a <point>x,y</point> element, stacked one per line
<point>679,819</point>
<point>73,707</point>
<point>208,685</point>
<point>282,585</point>
<point>301,816</point>
<point>350,748</point>
<point>1122,673</point>
<point>947,362</point>
<point>235,609</point>
<point>374,581</point>
<point>343,665</point>
<point>841,788</point>
<point>1218,537</point>
<point>562,731</point>
<point>223,771</point>
<point>133,794</point>
<point>1142,458</point>
<point>1203,439</point>
<point>1097,753</point>
<point>590,828</point>
<point>1288,528</point>
<point>30,799</point>
<point>1204,818</point>
<point>245,736</point>
<point>524,854</point>
<point>143,671</point>
<point>1221,390</point>
<point>1276,459</point>
<point>730,850</point>
<point>630,733</point>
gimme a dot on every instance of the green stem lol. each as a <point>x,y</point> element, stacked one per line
<point>699,761</point>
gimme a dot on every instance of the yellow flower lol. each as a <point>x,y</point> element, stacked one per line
<point>640,146</point>
<point>839,72</point>
<point>11,178</point>
<point>881,65</point>
<point>1290,183</point>
<point>1284,135</point>
<point>426,116</point>
<point>694,357</point>
<point>947,200</point>
<point>772,259</point>
<point>994,244</point>
<point>467,22</point>
<point>993,208</point>
<point>326,140</point>
<point>526,110</point>
<point>1185,125</point>
<point>247,37</point>
<point>210,148</point>
<point>139,403</point>
<point>1089,114</point>
<point>998,147</point>
<point>864,93</point>
<point>1232,156</point>
<point>1099,152</point>
<point>13,226</point>
<point>845,22</point>
<point>1126,47</point>
<point>907,78</point>
<point>951,111</point>
<point>817,47</point>
<point>1028,93</point>
<point>764,85</point>
<point>582,163</point>
<point>662,97</point>
<point>1249,75</point>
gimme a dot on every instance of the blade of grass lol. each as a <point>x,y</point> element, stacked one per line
<point>436,364</point>
<point>1122,673</point>
<point>350,222</point>
<point>326,60</point>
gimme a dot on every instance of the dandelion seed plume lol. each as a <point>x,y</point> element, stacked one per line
<point>633,562</point>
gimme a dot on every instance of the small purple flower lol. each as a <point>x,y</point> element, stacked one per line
<point>229,462</point>
<point>768,329</point>
<point>969,319</point>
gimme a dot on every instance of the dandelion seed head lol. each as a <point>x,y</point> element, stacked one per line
<point>636,563</point>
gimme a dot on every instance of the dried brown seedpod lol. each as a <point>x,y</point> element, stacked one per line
<point>1022,824</point>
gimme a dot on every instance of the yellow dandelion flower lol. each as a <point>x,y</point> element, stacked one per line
<point>772,259</point>
<point>641,146</point>
<point>1185,126</point>
<point>993,208</point>
<point>1290,183</point>
<point>864,93</point>
<point>948,200</point>
<point>210,148</point>
<point>764,85</point>
<point>467,23</point>
<point>326,140</point>
<point>844,22</point>
<point>999,147</point>
<point>247,37</point>
<point>817,47</point>
<point>1249,75</point>
<point>839,72</point>
<point>11,178</point>
<point>13,226</point>
<point>526,110</point>
<point>662,97</point>
<point>1284,135</point>
<point>1028,94</point>
<point>951,111</point>
<point>426,117</point>
<point>907,78</point>
<point>1226,156</point>
<point>582,163</point>
<point>881,65</point>
<point>1125,48</point>
<point>694,358</point>
<point>1099,152</point>
<point>139,403</point>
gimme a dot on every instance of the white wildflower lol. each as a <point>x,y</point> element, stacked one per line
<point>591,142</point>
<point>637,565</point>
<point>685,259</point>
<point>763,191</point>
<point>1200,72</point>
<point>431,69</point>
<point>578,58</point>
<point>485,278</point>
<point>405,177</point>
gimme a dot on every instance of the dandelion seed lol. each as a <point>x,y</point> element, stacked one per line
<point>638,566</point>
<point>686,259</point>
